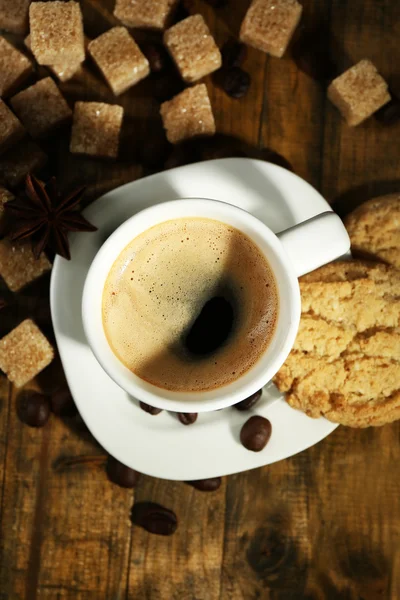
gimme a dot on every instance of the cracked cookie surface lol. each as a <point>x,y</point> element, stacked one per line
<point>374,229</point>
<point>345,364</point>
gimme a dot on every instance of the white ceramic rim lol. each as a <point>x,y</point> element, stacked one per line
<point>267,365</point>
<point>160,446</point>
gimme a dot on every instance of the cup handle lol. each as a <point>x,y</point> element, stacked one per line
<point>315,242</point>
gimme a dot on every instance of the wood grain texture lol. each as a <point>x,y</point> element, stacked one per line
<point>323,525</point>
<point>65,531</point>
<point>362,162</point>
<point>294,103</point>
<point>187,565</point>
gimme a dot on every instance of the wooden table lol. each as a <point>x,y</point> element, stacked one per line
<point>322,525</point>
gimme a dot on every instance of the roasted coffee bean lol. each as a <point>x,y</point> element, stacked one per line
<point>62,403</point>
<point>154,518</point>
<point>152,410</point>
<point>390,113</point>
<point>33,408</point>
<point>121,474</point>
<point>249,402</point>
<point>255,433</point>
<point>235,82</point>
<point>156,55</point>
<point>233,54</point>
<point>187,418</point>
<point>206,485</point>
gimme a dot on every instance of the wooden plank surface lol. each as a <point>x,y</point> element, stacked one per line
<point>324,524</point>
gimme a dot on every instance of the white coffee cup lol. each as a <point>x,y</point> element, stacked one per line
<point>291,253</point>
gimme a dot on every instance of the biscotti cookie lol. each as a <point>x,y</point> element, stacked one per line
<point>374,229</point>
<point>345,364</point>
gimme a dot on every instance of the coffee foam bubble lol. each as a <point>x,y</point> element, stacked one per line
<point>158,286</point>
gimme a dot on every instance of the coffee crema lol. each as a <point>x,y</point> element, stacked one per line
<point>190,305</point>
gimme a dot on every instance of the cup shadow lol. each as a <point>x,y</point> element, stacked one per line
<point>272,207</point>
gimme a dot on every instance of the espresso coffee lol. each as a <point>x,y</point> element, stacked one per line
<point>190,305</point>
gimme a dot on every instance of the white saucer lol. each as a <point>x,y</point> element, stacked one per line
<point>160,445</point>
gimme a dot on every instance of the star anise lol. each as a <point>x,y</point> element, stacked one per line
<point>45,217</point>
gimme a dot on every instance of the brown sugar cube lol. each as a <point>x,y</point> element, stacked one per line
<point>145,14</point>
<point>11,130</point>
<point>57,32</point>
<point>359,92</point>
<point>96,129</point>
<point>18,266</point>
<point>119,58</point>
<point>41,107</point>
<point>188,115</point>
<point>24,352</point>
<point>14,15</point>
<point>63,71</point>
<point>15,67</point>
<point>193,48</point>
<point>270,24</point>
<point>26,157</point>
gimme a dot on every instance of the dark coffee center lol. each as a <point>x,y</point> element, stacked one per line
<point>211,328</point>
